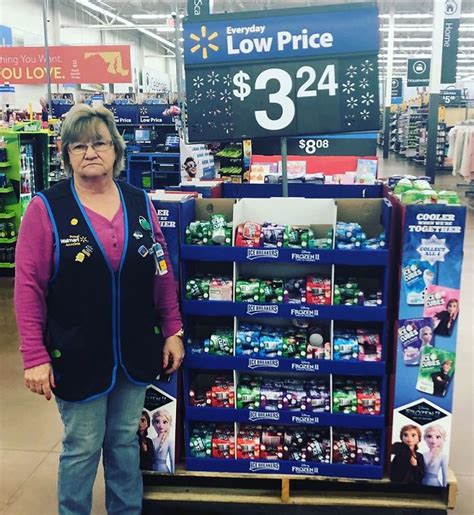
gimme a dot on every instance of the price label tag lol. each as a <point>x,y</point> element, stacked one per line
<point>259,100</point>
<point>307,72</point>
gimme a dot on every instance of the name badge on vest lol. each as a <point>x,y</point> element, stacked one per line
<point>156,250</point>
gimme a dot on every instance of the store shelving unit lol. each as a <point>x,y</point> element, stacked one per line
<point>153,170</point>
<point>232,166</point>
<point>26,172</point>
<point>241,261</point>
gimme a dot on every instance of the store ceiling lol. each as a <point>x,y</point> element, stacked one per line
<point>413,23</point>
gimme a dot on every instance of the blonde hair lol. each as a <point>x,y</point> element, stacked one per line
<point>167,416</point>
<point>435,428</point>
<point>81,122</point>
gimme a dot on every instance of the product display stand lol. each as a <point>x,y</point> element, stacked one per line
<point>373,215</point>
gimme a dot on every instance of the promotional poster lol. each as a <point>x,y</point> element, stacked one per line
<point>430,303</point>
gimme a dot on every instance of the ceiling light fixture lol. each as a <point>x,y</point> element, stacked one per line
<point>150,16</point>
<point>88,4</point>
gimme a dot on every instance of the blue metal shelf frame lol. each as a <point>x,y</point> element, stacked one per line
<point>286,467</point>
<point>284,255</point>
<point>311,311</point>
<point>287,365</point>
<point>339,420</point>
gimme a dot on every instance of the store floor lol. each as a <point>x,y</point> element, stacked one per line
<point>30,428</point>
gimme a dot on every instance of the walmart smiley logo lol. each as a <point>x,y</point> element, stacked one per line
<point>203,42</point>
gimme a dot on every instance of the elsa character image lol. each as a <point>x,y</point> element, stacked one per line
<point>428,277</point>
<point>436,463</point>
<point>163,443</point>
<point>426,336</point>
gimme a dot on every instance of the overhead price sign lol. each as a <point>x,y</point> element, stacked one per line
<point>292,72</point>
<point>67,64</point>
<point>418,72</point>
<point>452,14</point>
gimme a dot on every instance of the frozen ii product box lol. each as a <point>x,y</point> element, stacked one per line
<point>426,333</point>
<point>413,335</point>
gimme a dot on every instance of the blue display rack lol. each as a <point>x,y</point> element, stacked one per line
<point>192,254</point>
<point>153,170</point>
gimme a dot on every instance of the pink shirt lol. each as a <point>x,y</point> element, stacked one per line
<point>35,264</point>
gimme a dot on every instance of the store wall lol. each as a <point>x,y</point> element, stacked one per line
<point>26,22</point>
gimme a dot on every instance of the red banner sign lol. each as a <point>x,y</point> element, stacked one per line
<point>68,64</point>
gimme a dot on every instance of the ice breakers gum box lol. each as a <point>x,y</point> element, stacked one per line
<point>417,275</point>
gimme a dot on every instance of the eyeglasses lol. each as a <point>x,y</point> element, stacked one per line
<point>97,146</point>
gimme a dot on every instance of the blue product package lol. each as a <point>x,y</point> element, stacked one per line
<point>345,345</point>
<point>417,276</point>
<point>413,335</point>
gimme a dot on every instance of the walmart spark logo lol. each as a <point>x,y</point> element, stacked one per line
<point>203,42</point>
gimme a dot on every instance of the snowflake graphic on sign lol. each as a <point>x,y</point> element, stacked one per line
<point>348,87</point>
<point>433,249</point>
<point>198,81</point>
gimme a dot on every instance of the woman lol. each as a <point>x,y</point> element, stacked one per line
<point>408,466</point>
<point>164,443</point>
<point>435,460</point>
<point>97,311</point>
<point>426,336</point>
<point>444,320</point>
<point>147,451</point>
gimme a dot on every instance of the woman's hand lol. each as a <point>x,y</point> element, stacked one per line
<point>173,354</point>
<point>40,380</point>
<point>413,461</point>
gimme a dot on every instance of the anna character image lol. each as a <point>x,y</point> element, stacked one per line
<point>445,320</point>
<point>408,465</point>
<point>147,451</point>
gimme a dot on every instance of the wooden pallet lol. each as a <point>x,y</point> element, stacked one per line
<point>234,488</point>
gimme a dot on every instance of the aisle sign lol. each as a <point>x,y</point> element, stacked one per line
<point>397,87</point>
<point>68,64</point>
<point>286,72</point>
<point>418,72</point>
<point>452,14</point>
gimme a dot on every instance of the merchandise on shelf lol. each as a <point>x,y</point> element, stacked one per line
<point>310,290</point>
<point>419,191</point>
<point>217,231</point>
<point>286,394</point>
<point>350,236</point>
<point>350,447</point>
<point>348,292</point>
<point>269,235</point>
<point>219,343</point>
<point>212,391</point>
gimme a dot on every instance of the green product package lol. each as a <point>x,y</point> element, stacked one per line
<point>248,396</point>
<point>412,197</point>
<point>402,186</point>
<point>344,400</point>
<point>449,198</point>
<point>436,371</point>
<point>247,291</point>
<point>271,291</point>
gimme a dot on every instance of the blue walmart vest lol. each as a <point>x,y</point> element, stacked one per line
<point>98,319</point>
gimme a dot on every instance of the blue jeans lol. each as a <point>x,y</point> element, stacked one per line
<point>108,424</point>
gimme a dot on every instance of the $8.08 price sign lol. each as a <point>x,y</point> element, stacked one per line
<point>300,97</point>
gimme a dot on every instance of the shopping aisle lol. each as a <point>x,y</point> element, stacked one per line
<point>30,429</point>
